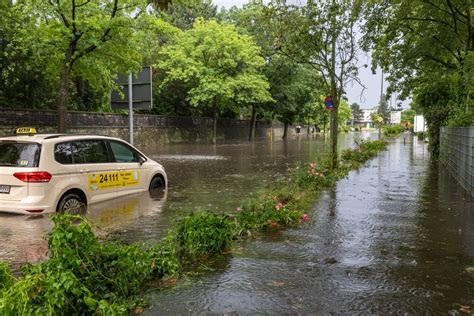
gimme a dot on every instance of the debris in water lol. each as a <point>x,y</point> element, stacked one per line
<point>330,260</point>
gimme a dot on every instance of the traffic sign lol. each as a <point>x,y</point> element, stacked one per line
<point>142,92</point>
<point>329,103</point>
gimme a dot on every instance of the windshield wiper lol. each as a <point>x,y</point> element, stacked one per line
<point>6,164</point>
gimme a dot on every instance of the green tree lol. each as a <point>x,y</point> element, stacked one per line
<point>424,46</point>
<point>357,113</point>
<point>91,40</point>
<point>345,112</point>
<point>293,86</point>
<point>251,20</point>
<point>322,35</point>
<point>221,67</point>
<point>383,109</point>
<point>183,15</point>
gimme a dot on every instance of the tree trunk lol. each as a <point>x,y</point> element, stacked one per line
<point>253,123</point>
<point>334,113</point>
<point>285,131</point>
<point>63,99</point>
<point>324,125</point>
<point>469,50</point>
<point>80,90</point>
<point>214,130</point>
<point>333,133</point>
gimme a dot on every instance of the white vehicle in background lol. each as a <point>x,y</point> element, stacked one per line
<point>44,173</point>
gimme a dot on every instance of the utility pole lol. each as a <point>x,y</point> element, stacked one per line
<point>380,105</point>
<point>130,108</point>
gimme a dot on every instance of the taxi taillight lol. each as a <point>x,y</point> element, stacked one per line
<point>33,177</point>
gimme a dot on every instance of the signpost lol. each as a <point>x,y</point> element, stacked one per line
<point>135,93</point>
<point>395,117</point>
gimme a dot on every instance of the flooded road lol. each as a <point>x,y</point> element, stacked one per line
<point>397,236</point>
<point>394,237</point>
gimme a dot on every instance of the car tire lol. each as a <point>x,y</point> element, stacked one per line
<point>71,203</point>
<point>157,187</point>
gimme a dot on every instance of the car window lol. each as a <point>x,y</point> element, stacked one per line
<point>63,153</point>
<point>124,153</point>
<point>90,151</point>
<point>15,154</point>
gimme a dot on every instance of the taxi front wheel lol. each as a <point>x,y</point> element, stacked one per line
<point>157,187</point>
<point>71,203</point>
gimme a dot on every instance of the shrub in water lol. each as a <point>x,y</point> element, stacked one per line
<point>272,209</point>
<point>6,278</point>
<point>393,130</point>
<point>82,276</point>
<point>204,233</point>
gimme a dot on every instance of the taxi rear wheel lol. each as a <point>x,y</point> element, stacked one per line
<point>71,203</point>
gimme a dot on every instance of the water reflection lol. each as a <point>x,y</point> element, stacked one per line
<point>24,238</point>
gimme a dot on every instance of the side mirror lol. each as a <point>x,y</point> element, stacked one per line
<point>141,160</point>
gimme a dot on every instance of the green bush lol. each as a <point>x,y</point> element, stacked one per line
<point>366,149</point>
<point>6,278</point>
<point>421,135</point>
<point>393,130</point>
<point>463,118</point>
<point>204,233</point>
<point>271,209</point>
<point>82,275</point>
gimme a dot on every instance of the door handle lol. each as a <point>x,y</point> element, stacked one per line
<point>83,170</point>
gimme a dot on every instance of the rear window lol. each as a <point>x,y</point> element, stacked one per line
<point>15,154</point>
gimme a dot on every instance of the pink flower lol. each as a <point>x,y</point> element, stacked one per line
<point>279,206</point>
<point>312,165</point>
<point>238,209</point>
<point>305,218</point>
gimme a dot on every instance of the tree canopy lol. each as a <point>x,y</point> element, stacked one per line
<point>427,50</point>
<point>220,66</point>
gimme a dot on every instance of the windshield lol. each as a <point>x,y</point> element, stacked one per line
<point>14,154</point>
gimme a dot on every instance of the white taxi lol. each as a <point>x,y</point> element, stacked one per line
<point>44,173</point>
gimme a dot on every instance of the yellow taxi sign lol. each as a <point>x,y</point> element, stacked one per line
<point>26,130</point>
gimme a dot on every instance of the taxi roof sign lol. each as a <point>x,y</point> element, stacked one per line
<point>26,130</point>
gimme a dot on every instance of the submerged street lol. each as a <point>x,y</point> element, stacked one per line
<point>395,236</point>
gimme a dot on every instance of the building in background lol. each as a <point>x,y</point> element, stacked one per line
<point>365,121</point>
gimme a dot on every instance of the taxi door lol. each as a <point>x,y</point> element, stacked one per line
<point>95,169</point>
<point>131,171</point>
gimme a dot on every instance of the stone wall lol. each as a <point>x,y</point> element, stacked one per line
<point>457,154</point>
<point>150,130</point>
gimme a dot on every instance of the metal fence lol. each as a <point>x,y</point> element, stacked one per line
<point>456,153</point>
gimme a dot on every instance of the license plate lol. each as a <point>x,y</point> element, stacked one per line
<point>5,189</point>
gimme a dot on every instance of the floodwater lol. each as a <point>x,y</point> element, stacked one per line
<point>396,236</point>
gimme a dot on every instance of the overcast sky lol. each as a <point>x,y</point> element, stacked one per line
<point>367,99</point>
